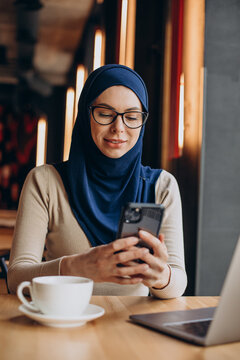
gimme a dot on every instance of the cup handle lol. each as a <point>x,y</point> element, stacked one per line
<point>29,306</point>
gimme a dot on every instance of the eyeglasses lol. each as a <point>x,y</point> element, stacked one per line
<point>106,116</point>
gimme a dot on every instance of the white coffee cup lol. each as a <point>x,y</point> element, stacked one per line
<point>62,296</point>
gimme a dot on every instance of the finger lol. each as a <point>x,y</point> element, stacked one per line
<point>161,238</point>
<point>153,242</point>
<point>133,248</point>
<point>129,263</point>
<point>156,264</point>
<point>149,259</point>
<point>122,244</point>
<point>125,256</point>
<point>132,270</point>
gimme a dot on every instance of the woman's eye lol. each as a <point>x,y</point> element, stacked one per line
<point>132,117</point>
<point>104,114</point>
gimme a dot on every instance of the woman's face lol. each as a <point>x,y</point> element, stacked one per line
<point>116,139</point>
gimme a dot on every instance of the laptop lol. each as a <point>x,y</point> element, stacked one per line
<point>205,326</point>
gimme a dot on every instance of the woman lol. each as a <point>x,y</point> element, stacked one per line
<point>73,208</point>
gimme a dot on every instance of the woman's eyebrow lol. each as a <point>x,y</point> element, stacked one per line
<point>106,105</point>
<point>112,108</point>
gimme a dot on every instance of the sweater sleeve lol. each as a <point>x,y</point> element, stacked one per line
<point>30,232</point>
<point>167,194</point>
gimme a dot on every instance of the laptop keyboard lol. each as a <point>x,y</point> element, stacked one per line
<point>198,328</point>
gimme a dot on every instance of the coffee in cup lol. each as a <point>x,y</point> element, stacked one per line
<point>62,296</point>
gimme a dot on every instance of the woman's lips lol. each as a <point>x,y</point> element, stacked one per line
<point>115,143</point>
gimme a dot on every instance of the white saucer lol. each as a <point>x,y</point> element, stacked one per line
<point>92,312</point>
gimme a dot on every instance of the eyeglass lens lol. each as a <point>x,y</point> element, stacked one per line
<point>132,119</point>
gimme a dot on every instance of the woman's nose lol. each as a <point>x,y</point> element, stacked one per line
<point>118,125</point>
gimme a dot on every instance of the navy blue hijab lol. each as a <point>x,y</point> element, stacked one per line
<point>98,186</point>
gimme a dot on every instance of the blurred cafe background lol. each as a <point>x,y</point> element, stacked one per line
<point>188,53</point>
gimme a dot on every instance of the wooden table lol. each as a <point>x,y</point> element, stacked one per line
<point>111,337</point>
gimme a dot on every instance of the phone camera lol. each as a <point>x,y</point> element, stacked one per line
<point>133,215</point>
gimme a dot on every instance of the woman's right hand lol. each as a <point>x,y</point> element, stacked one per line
<point>101,263</point>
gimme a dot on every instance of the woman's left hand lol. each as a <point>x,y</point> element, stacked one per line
<point>158,274</point>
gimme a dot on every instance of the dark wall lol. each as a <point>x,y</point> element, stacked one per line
<point>7,94</point>
<point>111,18</point>
<point>149,55</point>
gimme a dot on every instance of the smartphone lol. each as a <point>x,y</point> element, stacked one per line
<point>140,216</point>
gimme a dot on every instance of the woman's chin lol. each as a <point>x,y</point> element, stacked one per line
<point>114,154</point>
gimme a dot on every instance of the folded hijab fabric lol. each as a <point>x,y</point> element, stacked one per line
<point>98,186</point>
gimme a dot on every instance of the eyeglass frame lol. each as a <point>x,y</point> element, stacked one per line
<point>117,113</point>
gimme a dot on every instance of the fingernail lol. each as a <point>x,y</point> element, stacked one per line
<point>134,239</point>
